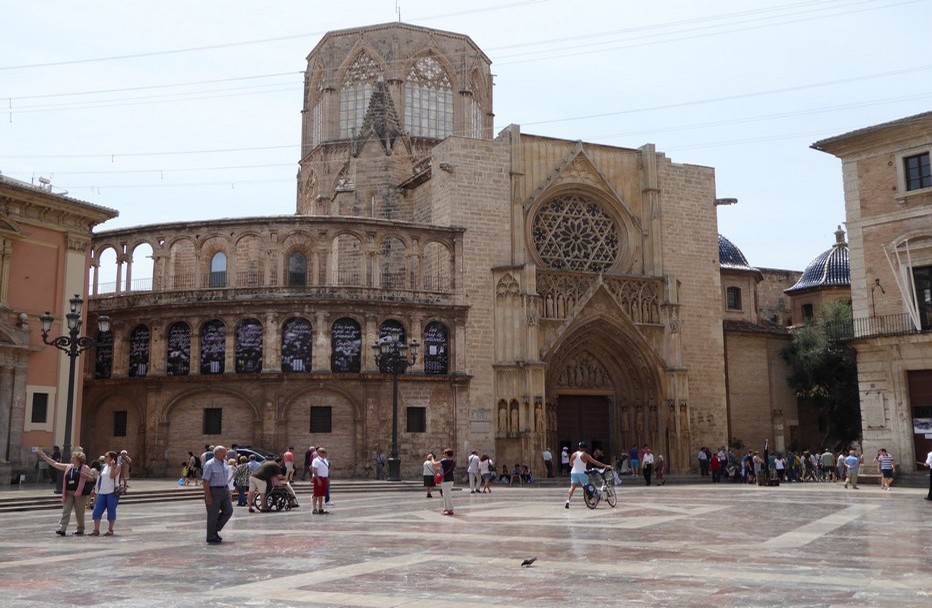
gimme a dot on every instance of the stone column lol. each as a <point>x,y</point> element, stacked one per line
<point>6,410</point>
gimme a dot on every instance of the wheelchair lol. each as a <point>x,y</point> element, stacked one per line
<point>277,499</point>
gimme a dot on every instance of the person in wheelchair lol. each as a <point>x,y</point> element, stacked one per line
<point>268,476</point>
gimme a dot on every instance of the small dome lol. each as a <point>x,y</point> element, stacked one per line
<point>829,269</point>
<point>730,257</point>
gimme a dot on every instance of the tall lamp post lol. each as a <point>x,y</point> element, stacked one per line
<point>394,357</point>
<point>73,345</point>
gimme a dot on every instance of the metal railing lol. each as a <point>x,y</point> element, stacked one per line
<point>878,326</point>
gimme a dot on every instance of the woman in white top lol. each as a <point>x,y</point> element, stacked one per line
<point>106,494</point>
<point>429,473</point>
<point>485,473</point>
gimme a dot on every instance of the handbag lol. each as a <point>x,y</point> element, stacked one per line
<point>438,478</point>
<point>88,487</point>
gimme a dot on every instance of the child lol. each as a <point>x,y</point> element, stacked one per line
<point>184,473</point>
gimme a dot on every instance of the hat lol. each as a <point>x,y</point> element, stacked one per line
<point>583,445</point>
<point>565,448</point>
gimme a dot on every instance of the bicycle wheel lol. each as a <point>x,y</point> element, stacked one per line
<point>610,495</point>
<point>592,499</point>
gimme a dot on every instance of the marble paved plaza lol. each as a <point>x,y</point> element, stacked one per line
<point>680,545</point>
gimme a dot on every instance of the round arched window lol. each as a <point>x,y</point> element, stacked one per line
<point>573,232</point>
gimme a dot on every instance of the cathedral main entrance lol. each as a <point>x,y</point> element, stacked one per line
<point>584,418</point>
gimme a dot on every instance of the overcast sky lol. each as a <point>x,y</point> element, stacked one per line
<point>182,110</point>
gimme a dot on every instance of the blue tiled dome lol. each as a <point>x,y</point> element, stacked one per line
<point>730,257</point>
<point>830,268</point>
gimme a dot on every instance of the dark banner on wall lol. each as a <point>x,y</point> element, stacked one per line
<point>213,347</point>
<point>104,364</point>
<point>296,346</point>
<point>248,347</point>
<point>385,331</point>
<point>435,348</point>
<point>139,352</point>
<point>346,346</point>
<point>178,359</point>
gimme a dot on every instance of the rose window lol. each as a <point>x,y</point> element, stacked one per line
<point>574,233</point>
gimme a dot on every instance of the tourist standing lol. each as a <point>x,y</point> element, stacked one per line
<point>288,459</point>
<point>447,467</point>
<point>548,462</point>
<point>379,464</point>
<point>472,469</point>
<point>107,498</point>
<point>565,461</point>
<point>578,476</point>
<point>308,459</point>
<point>216,479</point>
<point>485,473</point>
<point>647,465</point>
<point>852,466</point>
<point>320,468</point>
<point>74,477</point>
<point>660,470</point>
<point>633,455</point>
<point>703,458</point>
<point>429,471</point>
<point>885,463</point>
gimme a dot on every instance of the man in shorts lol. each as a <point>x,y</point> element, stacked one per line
<point>885,463</point>
<point>320,467</point>
<point>578,475</point>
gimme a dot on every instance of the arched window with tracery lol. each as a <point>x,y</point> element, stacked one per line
<point>436,348</point>
<point>213,347</point>
<point>358,84</point>
<point>139,340</point>
<point>428,100</point>
<point>297,269</point>
<point>247,347</point>
<point>574,232</point>
<point>178,349</point>
<point>297,339</point>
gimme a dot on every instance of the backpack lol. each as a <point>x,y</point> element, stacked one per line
<point>197,462</point>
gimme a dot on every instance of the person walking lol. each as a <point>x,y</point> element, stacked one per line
<point>852,466</point>
<point>472,469</point>
<point>320,468</point>
<point>379,464</point>
<point>928,465</point>
<point>885,463</point>
<point>447,467</point>
<point>288,459</point>
<point>565,461</point>
<point>660,470</point>
<point>429,471</point>
<point>75,476</point>
<point>578,476</point>
<point>548,462</point>
<point>107,498</point>
<point>216,479</point>
<point>241,479</point>
<point>647,465</point>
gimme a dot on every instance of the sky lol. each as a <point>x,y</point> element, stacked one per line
<point>180,110</point>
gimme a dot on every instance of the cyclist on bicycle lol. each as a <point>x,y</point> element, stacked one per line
<point>578,476</point>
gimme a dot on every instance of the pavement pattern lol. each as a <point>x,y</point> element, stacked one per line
<point>699,545</point>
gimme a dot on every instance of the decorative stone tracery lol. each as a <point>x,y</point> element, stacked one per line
<point>573,232</point>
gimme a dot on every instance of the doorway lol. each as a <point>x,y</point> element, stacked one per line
<point>584,418</point>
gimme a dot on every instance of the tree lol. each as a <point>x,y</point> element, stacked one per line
<point>823,371</point>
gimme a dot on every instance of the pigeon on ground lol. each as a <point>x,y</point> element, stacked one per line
<point>528,562</point>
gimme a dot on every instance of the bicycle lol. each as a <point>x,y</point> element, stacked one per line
<point>600,487</point>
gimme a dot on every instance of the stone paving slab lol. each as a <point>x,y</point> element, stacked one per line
<point>815,545</point>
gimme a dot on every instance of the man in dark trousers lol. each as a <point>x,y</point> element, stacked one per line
<point>216,478</point>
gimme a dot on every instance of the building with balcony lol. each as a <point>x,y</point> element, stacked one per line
<point>37,224</point>
<point>888,204</point>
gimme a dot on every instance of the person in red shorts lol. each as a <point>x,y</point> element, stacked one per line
<point>320,467</point>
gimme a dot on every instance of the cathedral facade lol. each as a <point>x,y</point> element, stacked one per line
<point>560,290</point>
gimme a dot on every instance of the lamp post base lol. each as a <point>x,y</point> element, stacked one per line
<point>394,469</point>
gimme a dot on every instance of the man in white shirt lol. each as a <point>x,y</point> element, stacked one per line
<point>928,464</point>
<point>647,464</point>
<point>565,461</point>
<point>548,462</point>
<point>472,468</point>
<point>320,467</point>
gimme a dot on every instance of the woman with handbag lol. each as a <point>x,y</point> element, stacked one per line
<point>429,472</point>
<point>76,480</point>
<point>107,498</point>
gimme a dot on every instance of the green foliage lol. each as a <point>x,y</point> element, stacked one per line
<point>736,444</point>
<point>823,371</point>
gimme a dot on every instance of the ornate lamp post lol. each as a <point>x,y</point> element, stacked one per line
<point>394,357</point>
<point>73,345</point>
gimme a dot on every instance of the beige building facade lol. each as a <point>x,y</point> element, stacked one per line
<point>561,291</point>
<point>888,205</point>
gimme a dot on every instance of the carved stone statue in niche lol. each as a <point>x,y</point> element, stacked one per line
<point>514,418</point>
<point>539,416</point>
<point>502,419</point>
